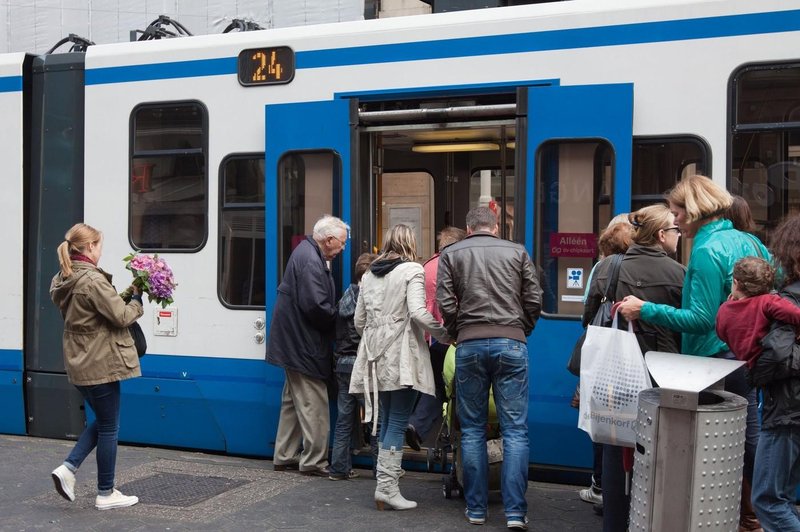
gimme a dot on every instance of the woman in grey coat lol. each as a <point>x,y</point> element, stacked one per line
<point>393,361</point>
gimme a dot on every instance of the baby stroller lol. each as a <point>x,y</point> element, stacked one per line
<point>448,439</point>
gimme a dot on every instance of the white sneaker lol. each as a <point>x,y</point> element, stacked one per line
<point>590,495</point>
<point>64,480</point>
<point>517,523</point>
<point>115,500</point>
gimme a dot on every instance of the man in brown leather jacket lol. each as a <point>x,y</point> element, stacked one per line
<point>490,299</point>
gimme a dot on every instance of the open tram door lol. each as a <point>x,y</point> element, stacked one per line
<point>579,156</point>
<point>307,174</point>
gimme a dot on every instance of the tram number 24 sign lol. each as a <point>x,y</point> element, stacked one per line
<point>266,66</point>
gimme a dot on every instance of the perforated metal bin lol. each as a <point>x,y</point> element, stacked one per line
<point>688,460</point>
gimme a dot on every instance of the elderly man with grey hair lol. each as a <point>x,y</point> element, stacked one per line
<point>301,342</point>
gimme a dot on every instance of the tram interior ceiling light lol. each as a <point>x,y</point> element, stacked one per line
<point>450,147</point>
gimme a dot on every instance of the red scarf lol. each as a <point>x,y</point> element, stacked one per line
<point>82,258</point>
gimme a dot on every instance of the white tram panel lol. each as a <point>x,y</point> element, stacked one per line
<point>11,202</point>
<point>677,90</point>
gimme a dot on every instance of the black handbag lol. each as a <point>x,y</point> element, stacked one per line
<point>602,317</point>
<point>138,338</point>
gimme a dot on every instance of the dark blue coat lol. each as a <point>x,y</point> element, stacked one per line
<point>302,328</point>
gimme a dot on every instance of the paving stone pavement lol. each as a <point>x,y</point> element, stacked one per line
<point>184,490</point>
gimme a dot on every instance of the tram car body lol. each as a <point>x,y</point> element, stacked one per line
<point>218,152</point>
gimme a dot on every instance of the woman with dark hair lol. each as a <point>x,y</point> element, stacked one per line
<point>393,361</point>
<point>777,464</point>
<point>740,215</point>
<point>647,271</point>
<point>699,206</point>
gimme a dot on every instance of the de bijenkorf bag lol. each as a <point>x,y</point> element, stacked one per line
<point>613,373</point>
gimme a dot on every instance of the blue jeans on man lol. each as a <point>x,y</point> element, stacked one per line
<point>776,477</point>
<point>102,433</point>
<point>501,363</point>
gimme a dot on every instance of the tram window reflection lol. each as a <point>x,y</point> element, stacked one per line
<point>241,235</point>
<point>308,187</point>
<point>765,143</point>
<point>574,199</point>
<point>168,176</point>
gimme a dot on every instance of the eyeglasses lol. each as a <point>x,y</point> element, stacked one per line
<point>342,242</point>
<point>676,229</point>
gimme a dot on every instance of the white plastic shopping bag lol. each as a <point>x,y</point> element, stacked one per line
<point>613,373</point>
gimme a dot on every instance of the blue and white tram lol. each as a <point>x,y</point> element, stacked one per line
<point>218,152</point>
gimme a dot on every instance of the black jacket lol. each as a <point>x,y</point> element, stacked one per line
<point>487,288</point>
<point>347,337</point>
<point>777,371</point>
<point>651,275</point>
<point>301,331</point>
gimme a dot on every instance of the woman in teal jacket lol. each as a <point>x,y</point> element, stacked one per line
<point>699,205</point>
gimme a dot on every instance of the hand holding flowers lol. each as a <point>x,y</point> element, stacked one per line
<point>151,275</point>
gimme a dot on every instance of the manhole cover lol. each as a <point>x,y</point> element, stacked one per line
<point>175,489</point>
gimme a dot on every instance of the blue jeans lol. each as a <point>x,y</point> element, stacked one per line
<point>775,479</point>
<point>502,364</point>
<point>395,409</point>
<point>346,421</point>
<point>101,433</point>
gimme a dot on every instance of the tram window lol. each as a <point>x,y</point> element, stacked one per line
<point>168,176</point>
<point>241,234</point>
<point>659,163</point>
<point>308,187</point>
<point>408,198</point>
<point>574,198</point>
<point>486,186</point>
<point>765,143</point>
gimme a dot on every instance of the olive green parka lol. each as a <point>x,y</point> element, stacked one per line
<point>97,345</point>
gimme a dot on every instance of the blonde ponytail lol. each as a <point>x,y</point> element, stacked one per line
<point>63,259</point>
<point>76,240</point>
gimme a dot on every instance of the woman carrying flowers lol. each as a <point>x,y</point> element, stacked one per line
<point>98,354</point>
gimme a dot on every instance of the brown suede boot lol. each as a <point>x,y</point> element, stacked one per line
<point>748,522</point>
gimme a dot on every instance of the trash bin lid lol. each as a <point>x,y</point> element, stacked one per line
<point>688,372</point>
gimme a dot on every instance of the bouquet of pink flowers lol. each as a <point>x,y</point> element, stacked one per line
<point>153,276</point>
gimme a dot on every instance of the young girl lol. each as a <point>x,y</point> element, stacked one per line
<point>744,320</point>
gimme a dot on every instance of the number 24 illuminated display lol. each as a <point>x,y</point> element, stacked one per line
<point>266,66</point>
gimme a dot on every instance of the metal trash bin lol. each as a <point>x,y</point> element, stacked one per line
<point>689,456</point>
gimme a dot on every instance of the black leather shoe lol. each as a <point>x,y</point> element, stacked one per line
<point>412,438</point>
<point>320,472</point>
<point>286,467</point>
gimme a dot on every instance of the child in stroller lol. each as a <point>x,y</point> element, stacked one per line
<point>449,437</point>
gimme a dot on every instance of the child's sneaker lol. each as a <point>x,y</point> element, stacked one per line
<point>344,476</point>
<point>64,480</point>
<point>591,495</point>
<point>114,500</point>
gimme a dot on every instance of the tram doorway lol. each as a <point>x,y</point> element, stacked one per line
<point>427,165</point>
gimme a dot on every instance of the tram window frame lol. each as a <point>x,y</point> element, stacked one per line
<point>283,254</point>
<point>602,200</point>
<point>231,207</point>
<point>650,191</point>
<point>138,153</point>
<point>765,146</point>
